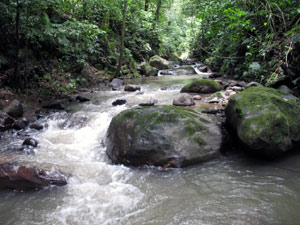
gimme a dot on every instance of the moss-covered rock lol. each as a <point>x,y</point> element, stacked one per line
<point>148,70</point>
<point>159,63</point>
<point>167,136</point>
<point>202,86</point>
<point>266,120</point>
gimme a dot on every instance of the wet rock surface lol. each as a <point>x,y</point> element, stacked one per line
<point>82,99</point>
<point>167,136</point>
<point>265,120</point>
<point>183,100</point>
<point>159,63</point>
<point>30,142</point>
<point>202,86</point>
<point>22,178</point>
<point>116,83</point>
<point>132,88</point>
<point>119,102</point>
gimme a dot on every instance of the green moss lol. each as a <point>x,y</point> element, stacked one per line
<point>265,114</point>
<point>200,141</point>
<point>193,126</point>
<point>202,86</point>
<point>160,115</point>
<point>218,94</point>
<point>186,68</point>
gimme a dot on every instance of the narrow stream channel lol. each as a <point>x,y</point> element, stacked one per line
<point>230,190</point>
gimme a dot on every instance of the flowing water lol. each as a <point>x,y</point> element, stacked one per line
<point>230,190</point>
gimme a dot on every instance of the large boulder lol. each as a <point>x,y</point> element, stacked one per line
<point>148,70</point>
<point>24,178</point>
<point>14,109</point>
<point>202,86</point>
<point>159,63</point>
<point>266,120</point>
<point>167,136</point>
<point>183,100</point>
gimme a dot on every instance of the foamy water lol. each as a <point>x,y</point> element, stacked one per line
<point>230,190</point>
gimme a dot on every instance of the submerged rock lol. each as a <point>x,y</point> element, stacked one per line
<point>31,142</point>
<point>202,86</point>
<point>119,102</point>
<point>159,63</point>
<point>37,126</point>
<point>184,100</point>
<point>14,109</point>
<point>82,99</point>
<point>132,88</point>
<point>266,120</point>
<point>24,178</point>
<point>167,136</point>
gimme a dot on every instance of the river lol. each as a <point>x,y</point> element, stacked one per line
<point>233,189</point>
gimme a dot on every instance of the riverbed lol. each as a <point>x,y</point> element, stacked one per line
<point>233,189</point>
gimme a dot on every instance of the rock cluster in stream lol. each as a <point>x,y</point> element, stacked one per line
<point>265,121</point>
<point>14,120</point>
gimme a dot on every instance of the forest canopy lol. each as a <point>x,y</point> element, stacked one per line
<point>53,42</point>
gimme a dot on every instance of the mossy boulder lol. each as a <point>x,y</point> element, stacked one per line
<point>167,136</point>
<point>148,70</point>
<point>266,120</point>
<point>159,63</point>
<point>202,86</point>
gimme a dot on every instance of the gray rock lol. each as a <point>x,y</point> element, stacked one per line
<point>36,126</point>
<point>167,136</point>
<point>184,100</point>
<point>22,178</point>
<point>285,89</point>
<point>30,142</point>
<point>132,88</point>
<point>116,83</point>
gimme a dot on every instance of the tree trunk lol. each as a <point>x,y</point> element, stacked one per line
<point>158,6</point>
<point>147,5</point>
<point>16,79</point>
<point>124,13</point>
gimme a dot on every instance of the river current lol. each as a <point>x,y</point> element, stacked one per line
<point>233,189</point>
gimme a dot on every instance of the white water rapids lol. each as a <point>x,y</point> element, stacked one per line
<point>230,190</point>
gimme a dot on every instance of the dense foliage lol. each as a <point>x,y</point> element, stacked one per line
<point>252,40</point>
<point>53,40</point>
<point>58,45</point>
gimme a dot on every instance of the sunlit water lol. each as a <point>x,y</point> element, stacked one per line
<point>230,190</point>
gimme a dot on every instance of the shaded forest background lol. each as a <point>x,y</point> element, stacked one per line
<point>57,46</point>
